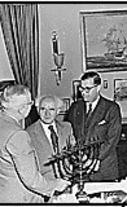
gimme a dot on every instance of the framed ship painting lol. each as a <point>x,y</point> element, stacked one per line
<point>104,40</point>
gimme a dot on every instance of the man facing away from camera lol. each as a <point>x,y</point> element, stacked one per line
<point>95,116</point>
<point>20,178</point>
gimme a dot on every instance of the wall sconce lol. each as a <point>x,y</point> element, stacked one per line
<point>58,59</point>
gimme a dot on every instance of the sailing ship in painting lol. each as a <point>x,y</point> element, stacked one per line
<point>115,42</point>
<point>115,56</point>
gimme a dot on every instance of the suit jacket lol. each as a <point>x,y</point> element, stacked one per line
<point>44,148</point>
<point>105,123</point>
<point>20,179</point>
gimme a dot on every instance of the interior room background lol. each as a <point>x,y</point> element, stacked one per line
<point>64,19</point>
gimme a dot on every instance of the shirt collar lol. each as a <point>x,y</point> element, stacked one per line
<point>10,115</point>
<point>94,103</point>
<point>45,126</point>
<point>19,122</point>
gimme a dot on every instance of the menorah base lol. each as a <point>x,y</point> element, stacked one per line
<point>82,197</point>
<point>76,164</point>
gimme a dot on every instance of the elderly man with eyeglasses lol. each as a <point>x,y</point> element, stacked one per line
<point>20,178</point>
<point>95,116</point>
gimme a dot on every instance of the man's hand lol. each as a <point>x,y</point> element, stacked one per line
<point>61,185</point>
<point>64,198</point>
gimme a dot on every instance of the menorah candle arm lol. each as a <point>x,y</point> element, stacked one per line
<point>94,166</point>
<point>64,173</point>
<point>87,163</point>
<point>55,170</point>
<point>97,167</point>
<point>84,158</point>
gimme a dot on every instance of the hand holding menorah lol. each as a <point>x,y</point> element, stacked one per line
<point>76,164</point>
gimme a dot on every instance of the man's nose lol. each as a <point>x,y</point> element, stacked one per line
<point>84,92</point>
<point>47,112</point>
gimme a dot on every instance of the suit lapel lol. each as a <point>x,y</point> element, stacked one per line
<point>61,134</point>
<point>42,138</point>
<point>97,114</point>
<point>80,120</point>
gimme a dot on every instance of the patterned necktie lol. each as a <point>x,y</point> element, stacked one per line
<point>54,139</point>
<point>89,110</point>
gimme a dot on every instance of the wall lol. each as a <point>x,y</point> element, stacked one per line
<point>64,19</point>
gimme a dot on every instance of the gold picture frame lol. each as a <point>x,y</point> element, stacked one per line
<point>104,40</point>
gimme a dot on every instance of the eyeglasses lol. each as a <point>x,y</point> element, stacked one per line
<point>86,89</point>
<point>29,103</point>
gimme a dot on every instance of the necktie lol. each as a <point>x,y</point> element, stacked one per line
<point>54,139</point>
<point>89,110</point>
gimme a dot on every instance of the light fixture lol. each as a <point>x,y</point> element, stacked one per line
<point>58,59</point>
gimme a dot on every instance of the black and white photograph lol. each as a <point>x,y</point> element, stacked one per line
<point>75,90</point>
<point>104,39</point>
<point>63,103</point>
<point>120,89</point>
<point>65,106</point>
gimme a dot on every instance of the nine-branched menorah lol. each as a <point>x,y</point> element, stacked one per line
<point>77,163</point>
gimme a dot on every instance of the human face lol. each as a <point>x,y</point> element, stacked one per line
<point>89,90</point>
<point>47,111</point>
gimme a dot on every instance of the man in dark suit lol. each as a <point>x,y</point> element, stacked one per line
<point>103,122</point>
<point>48,108</point>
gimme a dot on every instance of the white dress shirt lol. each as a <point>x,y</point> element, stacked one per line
<point>47,131</point>
<point>94,104</point>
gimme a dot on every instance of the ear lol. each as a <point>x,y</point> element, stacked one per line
<point>98,88</point>
<point>58,111</point>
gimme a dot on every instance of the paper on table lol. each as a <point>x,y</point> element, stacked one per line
<point>105,186</point>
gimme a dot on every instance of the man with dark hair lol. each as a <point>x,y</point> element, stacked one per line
<point>97,117</point>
